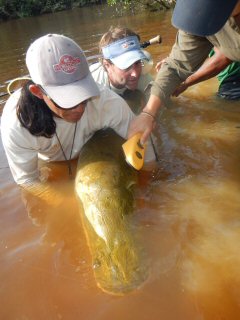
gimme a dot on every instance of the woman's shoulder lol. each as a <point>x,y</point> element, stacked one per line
<point>9,109</point>
<point>107,103</point>
<point>12,101</point>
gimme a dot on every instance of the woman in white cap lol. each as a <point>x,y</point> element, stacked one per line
<point>58,110</point>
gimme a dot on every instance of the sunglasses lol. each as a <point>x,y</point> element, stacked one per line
<point>56,105</point>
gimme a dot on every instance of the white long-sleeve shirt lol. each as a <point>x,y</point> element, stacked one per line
<point>24,149</point>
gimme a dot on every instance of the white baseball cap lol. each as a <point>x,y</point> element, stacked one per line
<point>59,66</point>
<point>124,52</point>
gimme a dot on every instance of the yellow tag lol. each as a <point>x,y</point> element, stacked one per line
<point>134,151</point>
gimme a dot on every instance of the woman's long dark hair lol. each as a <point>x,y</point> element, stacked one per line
<point>34,114</point>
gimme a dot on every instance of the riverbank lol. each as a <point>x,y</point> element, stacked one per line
<point>17,9</point>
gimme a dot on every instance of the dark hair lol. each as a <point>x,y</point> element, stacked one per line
<point>34,114</point>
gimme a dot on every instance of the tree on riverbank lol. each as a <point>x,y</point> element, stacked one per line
<point>10,9</point>
<point>152,5</point>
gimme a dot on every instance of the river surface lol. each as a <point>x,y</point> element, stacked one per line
<point>187,215</point>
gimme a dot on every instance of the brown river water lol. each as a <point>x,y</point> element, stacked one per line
<point>187,215</point>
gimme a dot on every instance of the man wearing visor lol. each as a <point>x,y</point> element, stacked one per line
<point>124,65</point>
<point>203,25</point>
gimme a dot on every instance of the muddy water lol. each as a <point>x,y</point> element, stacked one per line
<point>187,216</point>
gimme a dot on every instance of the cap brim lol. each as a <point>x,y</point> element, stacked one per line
<point>128,58</point>
<point>202,17</point>
<point>70,95</point>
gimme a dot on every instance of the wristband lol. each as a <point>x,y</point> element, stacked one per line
<point>149,114</point>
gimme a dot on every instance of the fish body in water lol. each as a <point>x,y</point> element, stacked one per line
<point>104,184</point>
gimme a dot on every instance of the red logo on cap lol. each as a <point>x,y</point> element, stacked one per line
<point>128,44</point>
<point>67,64</point>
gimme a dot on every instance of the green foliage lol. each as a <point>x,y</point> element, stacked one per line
<point>29,8</point>
<point>56,5</point>
<point>121,2</point>
<point>83,3</point>
<point>150,4</point>
<point>22,8</point>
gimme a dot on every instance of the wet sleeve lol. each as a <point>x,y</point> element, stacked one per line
<point>22,160</point>
<point>187,55</point>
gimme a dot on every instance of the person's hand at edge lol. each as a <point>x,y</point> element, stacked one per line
<point>145,122</point>
<point>142,123</point>
<point>180,89</point>
<point>159,64</point>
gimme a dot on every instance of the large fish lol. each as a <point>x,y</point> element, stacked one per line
<point>104,184</point>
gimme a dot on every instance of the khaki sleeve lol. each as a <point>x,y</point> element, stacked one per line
<point>187,55</point>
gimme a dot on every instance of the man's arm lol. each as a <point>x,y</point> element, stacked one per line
<point>211,67</point>
<point>187,55</point>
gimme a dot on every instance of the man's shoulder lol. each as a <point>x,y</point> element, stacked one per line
<point>95,66</point>
<point>227,40</point>
<point>98,73</point>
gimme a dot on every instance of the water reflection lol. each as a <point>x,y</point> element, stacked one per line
<point>55,210</point>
